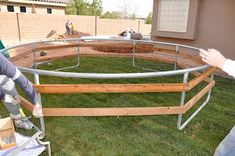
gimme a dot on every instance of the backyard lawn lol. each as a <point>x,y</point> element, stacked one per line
<point>133,136</point>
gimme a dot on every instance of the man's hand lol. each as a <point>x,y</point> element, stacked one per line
<point>37,111</point>
<point>213,57</point>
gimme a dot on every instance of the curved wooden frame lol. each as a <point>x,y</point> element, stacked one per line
<point>124,88</point>
<point>130,46</point>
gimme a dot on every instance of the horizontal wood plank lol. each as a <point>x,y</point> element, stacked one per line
<point>109,88</point>
<point>201,78</point>
<point>134,111</point>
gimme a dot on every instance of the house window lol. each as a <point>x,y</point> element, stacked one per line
<point>49,11</point>
<point>173,15</point>
<point>22,9</point>
<point>10,8</point>
<point>175,18</point>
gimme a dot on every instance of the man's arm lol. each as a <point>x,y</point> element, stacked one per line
<point>229,67</point>
<point>10,70</point>
<point>215,58</point>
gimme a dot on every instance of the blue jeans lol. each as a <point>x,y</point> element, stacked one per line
<point>227,146</point>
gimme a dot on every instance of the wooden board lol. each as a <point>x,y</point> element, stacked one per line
<point>109,88</point>
<point>134,111</point>
<point>201,78</point>
<point>198,96</point>
<point>21,55</point>
<point>87,44</point>
<point>54,47</point>
<point>105,111</point>
<point>26,104</point>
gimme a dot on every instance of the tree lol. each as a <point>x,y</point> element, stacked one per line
<point>111,15</point>
<point>127,9</point>
<point>149,19</point>
<point>133,17</point>
<point>82,7</point>
<point>71,9</point>
<point>96,7</point>
<point>124,8</point>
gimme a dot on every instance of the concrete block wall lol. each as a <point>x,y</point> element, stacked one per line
<point>114,27</point>
<point>32,27</point>
<point>37,27</point>
<point>8,27</point>
<point>84,24</point>
<point>145,29</point>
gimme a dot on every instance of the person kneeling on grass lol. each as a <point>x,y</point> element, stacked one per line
<point>215,58</point>
<point>8,94</point>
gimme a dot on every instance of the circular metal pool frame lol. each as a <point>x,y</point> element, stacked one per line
<point>183,87</point>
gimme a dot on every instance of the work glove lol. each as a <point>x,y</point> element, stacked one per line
<point>37,111</point>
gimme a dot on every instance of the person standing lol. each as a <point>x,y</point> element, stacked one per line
<point>68,27</point>
<point>72,28</point>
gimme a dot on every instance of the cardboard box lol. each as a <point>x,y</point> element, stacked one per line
<point>7,134</point>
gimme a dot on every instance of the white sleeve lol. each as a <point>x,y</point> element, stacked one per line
<point>229,67</point>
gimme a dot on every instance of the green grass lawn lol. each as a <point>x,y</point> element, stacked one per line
<point>134,136</point>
